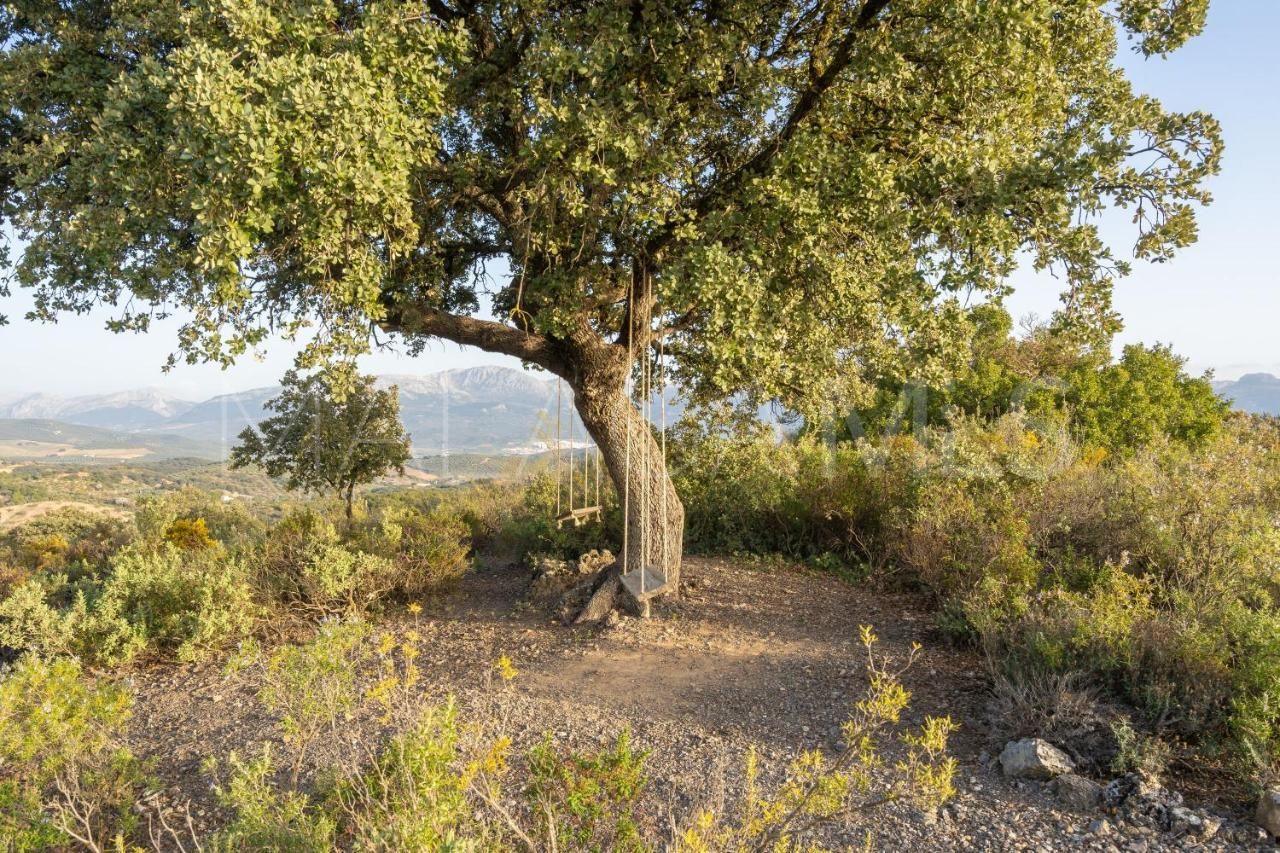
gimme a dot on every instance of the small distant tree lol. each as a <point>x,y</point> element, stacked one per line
<point>331,431</point>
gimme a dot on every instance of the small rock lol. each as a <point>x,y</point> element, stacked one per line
<point>1209,826</point>
<point>1268,813</point>
<point>1034,758</point>
<point>1183,821</point>
<point>1130,786</point>
<point>1100,826</point>
<point>1077,792</point>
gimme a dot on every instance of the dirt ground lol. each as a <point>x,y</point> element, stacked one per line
<point>12,516</point>
<point>746,657</point>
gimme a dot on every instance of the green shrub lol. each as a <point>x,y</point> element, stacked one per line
<point>417,795</point>
<point>1151,571</point>
<point>587,802</point>
<point>312,686</point>
<point>189,534</point>
<point>68,778</point>
<point>267,818</point>
<point>160,599</point>
<point>229,522</point>
<point>71,541</point>
<point>429,549</point>
<point>1138,753</point>
<point>316,561</point>
<point>338,579</point>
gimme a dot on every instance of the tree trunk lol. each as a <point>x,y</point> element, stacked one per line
<point>655,516</point>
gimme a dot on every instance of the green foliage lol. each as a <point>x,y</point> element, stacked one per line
<point>1138,753</point>
<point>331,431</point>
<point>314,561</point>
<point>313,686</point>
<point>418,794</point>
<point>1142,397</point>
<point>587,802</point>
<point>230,523</point>
<point>1049,372</point>
<point>794,184</point>
<point>1150,572</point>
<point>149,598</point>
<point>427,549</point>
<point>68,776</point>
<point>189,535</point>
<point>337,579</point>
<point>265,817</point>
<point>74,542</point>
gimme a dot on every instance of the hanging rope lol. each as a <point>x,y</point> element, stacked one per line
<point>647,410</point>
<point>557,446</point>
<point>626,425</point>
<point>638,389</point>
<point>662,391</point>
<point>571,460</point>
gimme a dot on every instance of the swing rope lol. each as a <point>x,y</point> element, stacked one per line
<point>557,446</point>
<point>571,462</point>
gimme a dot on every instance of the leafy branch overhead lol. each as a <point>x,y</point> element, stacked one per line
<point>810,186</point>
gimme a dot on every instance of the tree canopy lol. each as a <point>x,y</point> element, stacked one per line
<point>812,188</point>
<point>331,431</point>
<point>1118,405</point>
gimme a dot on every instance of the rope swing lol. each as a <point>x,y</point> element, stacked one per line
<point>575,515</point>
<point>647,580</point>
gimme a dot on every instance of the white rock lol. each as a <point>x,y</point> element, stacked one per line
<point>1034,758</point>
<point>1268,813</point>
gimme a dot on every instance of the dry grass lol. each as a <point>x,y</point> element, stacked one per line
<point>12,516</point>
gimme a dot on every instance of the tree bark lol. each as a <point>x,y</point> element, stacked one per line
<point>597,373</point>
<point>655,515</point>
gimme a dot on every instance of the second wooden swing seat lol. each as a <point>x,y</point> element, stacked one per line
<point>576,516</point>
<point>580,516</point>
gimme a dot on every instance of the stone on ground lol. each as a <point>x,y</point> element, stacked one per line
<point>1034,758</point>
<point>1268,813</point>
<point>1077,792</point>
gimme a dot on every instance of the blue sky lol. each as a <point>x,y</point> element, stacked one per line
<point>1218,302</point>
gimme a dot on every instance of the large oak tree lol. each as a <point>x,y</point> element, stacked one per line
<point>795,197</point>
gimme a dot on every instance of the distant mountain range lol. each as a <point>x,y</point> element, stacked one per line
<point>479,410</point>
<point>472,410</point>
<point>1256,393</point>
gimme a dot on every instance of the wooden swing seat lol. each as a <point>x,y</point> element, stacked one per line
<point>645,583</point>
<point>580,516</point>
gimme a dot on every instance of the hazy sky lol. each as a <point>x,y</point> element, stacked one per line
<point>1217,302</point>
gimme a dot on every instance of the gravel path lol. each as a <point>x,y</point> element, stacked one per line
<point>746,657</point>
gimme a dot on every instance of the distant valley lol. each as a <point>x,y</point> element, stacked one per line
<point>484,411</point>
<point>489,410</point>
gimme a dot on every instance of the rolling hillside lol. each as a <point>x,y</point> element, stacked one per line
<point>484,410</point>
<point>42,439</point>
